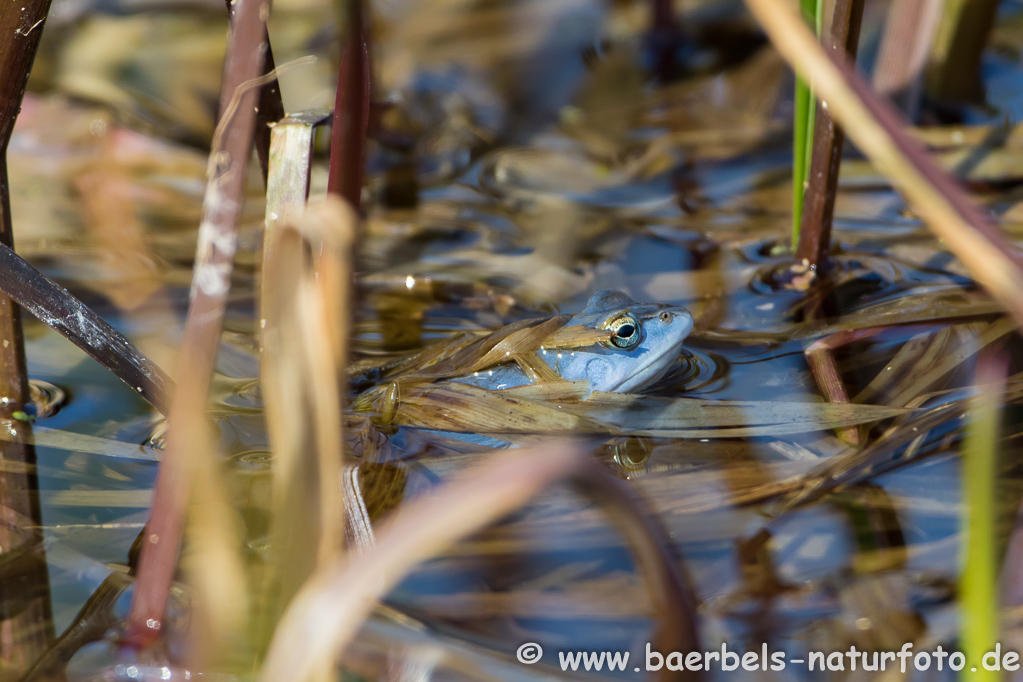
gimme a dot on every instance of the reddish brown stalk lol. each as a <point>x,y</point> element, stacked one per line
<point>819,209</point>
<point>820,357</point>
<point>351,113</point>
<point>663,39</point>
<point>27,634</point>
<point>664,15</point>
<point>225,191</point>
<point>270,107</point>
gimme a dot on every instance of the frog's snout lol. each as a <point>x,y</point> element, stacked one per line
<point>678,323</point>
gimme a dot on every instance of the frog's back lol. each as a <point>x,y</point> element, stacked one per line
<point>645,344</point>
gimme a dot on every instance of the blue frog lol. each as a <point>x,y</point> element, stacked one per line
<point>645,344</point>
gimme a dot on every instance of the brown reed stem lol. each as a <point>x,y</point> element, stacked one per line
<point>270,108</point>
<point>663,39</point>
<point>27,634</point>
<point>218,241</point>
<point>79,324</point>
<point>828,138</point>
<point>351,113</point>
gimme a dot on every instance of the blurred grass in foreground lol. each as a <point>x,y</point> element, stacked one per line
<point>979,579</point>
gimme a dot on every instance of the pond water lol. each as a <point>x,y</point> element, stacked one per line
<point>527,159</point>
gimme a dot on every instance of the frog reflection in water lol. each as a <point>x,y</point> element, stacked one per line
<point>646,342</point>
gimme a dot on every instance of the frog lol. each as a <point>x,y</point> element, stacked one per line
<point>644,345</point>
<point>614,345</point>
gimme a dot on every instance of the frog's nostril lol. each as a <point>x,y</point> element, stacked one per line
<point>666,317</point>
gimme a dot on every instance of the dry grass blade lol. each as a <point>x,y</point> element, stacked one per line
<point>875,128</point>
<point>531,409</point>
<point>537,371</point>
<point>326,613</point>
<point>304,351</point>
<point>520,337</point>
<point>463,355</point>
<point>932,372</point>
<point>10,430</point>
<point>577,337</point>
<point>210,285</point>
<point>500,348</point>
<point>329,609</point>
<point>918,351</point>
<point>859,466</point>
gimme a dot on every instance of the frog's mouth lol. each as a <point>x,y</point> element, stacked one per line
<point>656,368</point>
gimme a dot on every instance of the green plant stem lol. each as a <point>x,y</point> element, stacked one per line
<point>978,582</point>
<point>804,107</point>
<point>828,138</point>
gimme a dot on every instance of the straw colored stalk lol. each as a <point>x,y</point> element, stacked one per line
<point>328,611</point>
<point>213,566</point>
<point>287,186</point>
<point>876,129</point>
<point>304,353</point>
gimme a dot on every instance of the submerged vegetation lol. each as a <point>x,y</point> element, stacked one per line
<point>411,393</point>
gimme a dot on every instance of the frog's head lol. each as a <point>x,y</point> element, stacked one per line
<point>646,343</point>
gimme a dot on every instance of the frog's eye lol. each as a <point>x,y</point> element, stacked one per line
<point>626,329</point>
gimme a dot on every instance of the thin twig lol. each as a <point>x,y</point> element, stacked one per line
<point>210,284</point>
